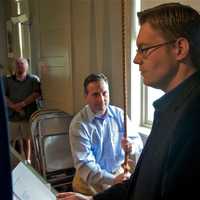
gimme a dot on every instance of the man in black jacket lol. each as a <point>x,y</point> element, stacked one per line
<point>5,168</point>
<point>168,56</point>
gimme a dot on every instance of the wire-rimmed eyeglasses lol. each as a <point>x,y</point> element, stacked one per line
<point>144,51</point>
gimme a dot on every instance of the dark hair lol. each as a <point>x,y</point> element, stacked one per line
<point>94,78</point>
<point>175,20</point>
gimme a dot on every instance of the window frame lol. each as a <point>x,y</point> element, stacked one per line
<point>139,92</point>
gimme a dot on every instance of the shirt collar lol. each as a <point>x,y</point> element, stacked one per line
<point>15,78</point>
<point>163,102</point>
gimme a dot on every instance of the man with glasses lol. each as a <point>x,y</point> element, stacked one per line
<point>168,56</point>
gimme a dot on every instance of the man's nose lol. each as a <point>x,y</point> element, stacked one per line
<point>137,59</point>
<point>101,97</point>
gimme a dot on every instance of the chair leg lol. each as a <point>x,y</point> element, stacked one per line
<point>27,149</point>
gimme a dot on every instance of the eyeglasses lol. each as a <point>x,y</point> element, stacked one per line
<point>144,51</point>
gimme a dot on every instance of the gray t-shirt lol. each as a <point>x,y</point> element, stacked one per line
<point>17,91</point>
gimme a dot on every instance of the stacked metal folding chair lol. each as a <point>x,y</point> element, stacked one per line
<point>51,147</point>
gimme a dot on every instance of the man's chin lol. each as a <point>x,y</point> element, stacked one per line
<point>101,112</point>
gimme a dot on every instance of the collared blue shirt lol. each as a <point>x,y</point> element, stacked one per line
<point>96,143</point>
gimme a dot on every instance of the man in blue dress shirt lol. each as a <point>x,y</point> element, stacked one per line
<point>97,142</point>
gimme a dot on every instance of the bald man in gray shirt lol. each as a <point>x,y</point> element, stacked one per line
<point>21,91</point>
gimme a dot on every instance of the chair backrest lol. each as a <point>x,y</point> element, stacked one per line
<point>51,139</point>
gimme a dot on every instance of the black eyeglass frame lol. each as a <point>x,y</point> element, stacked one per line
<point>144,50</point>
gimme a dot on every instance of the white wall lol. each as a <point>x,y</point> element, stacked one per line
<point>71,39</point>
<point>51,51</point>
<point>96,45</point>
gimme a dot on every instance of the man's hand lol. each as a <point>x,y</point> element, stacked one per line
<point>72,196</point>
<point>121,177</point>
<point>126,145</point>
<point>16,106</point>
<point>19,106</point>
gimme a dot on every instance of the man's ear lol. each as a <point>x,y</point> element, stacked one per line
<point>182,48</point>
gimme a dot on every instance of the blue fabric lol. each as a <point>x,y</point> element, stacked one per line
<point>5,170</point>
<point>96,144</point>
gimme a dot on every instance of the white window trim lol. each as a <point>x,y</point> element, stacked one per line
<point>145,122</point>
<point>138,102</point>
<point>138,99</point>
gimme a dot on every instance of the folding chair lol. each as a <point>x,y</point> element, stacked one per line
<point>50,138</point>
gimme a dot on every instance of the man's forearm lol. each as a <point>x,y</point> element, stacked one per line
<point>9,103</point>
<point>30,99</point>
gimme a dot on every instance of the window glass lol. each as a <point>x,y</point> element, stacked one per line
<point>152,95</point>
